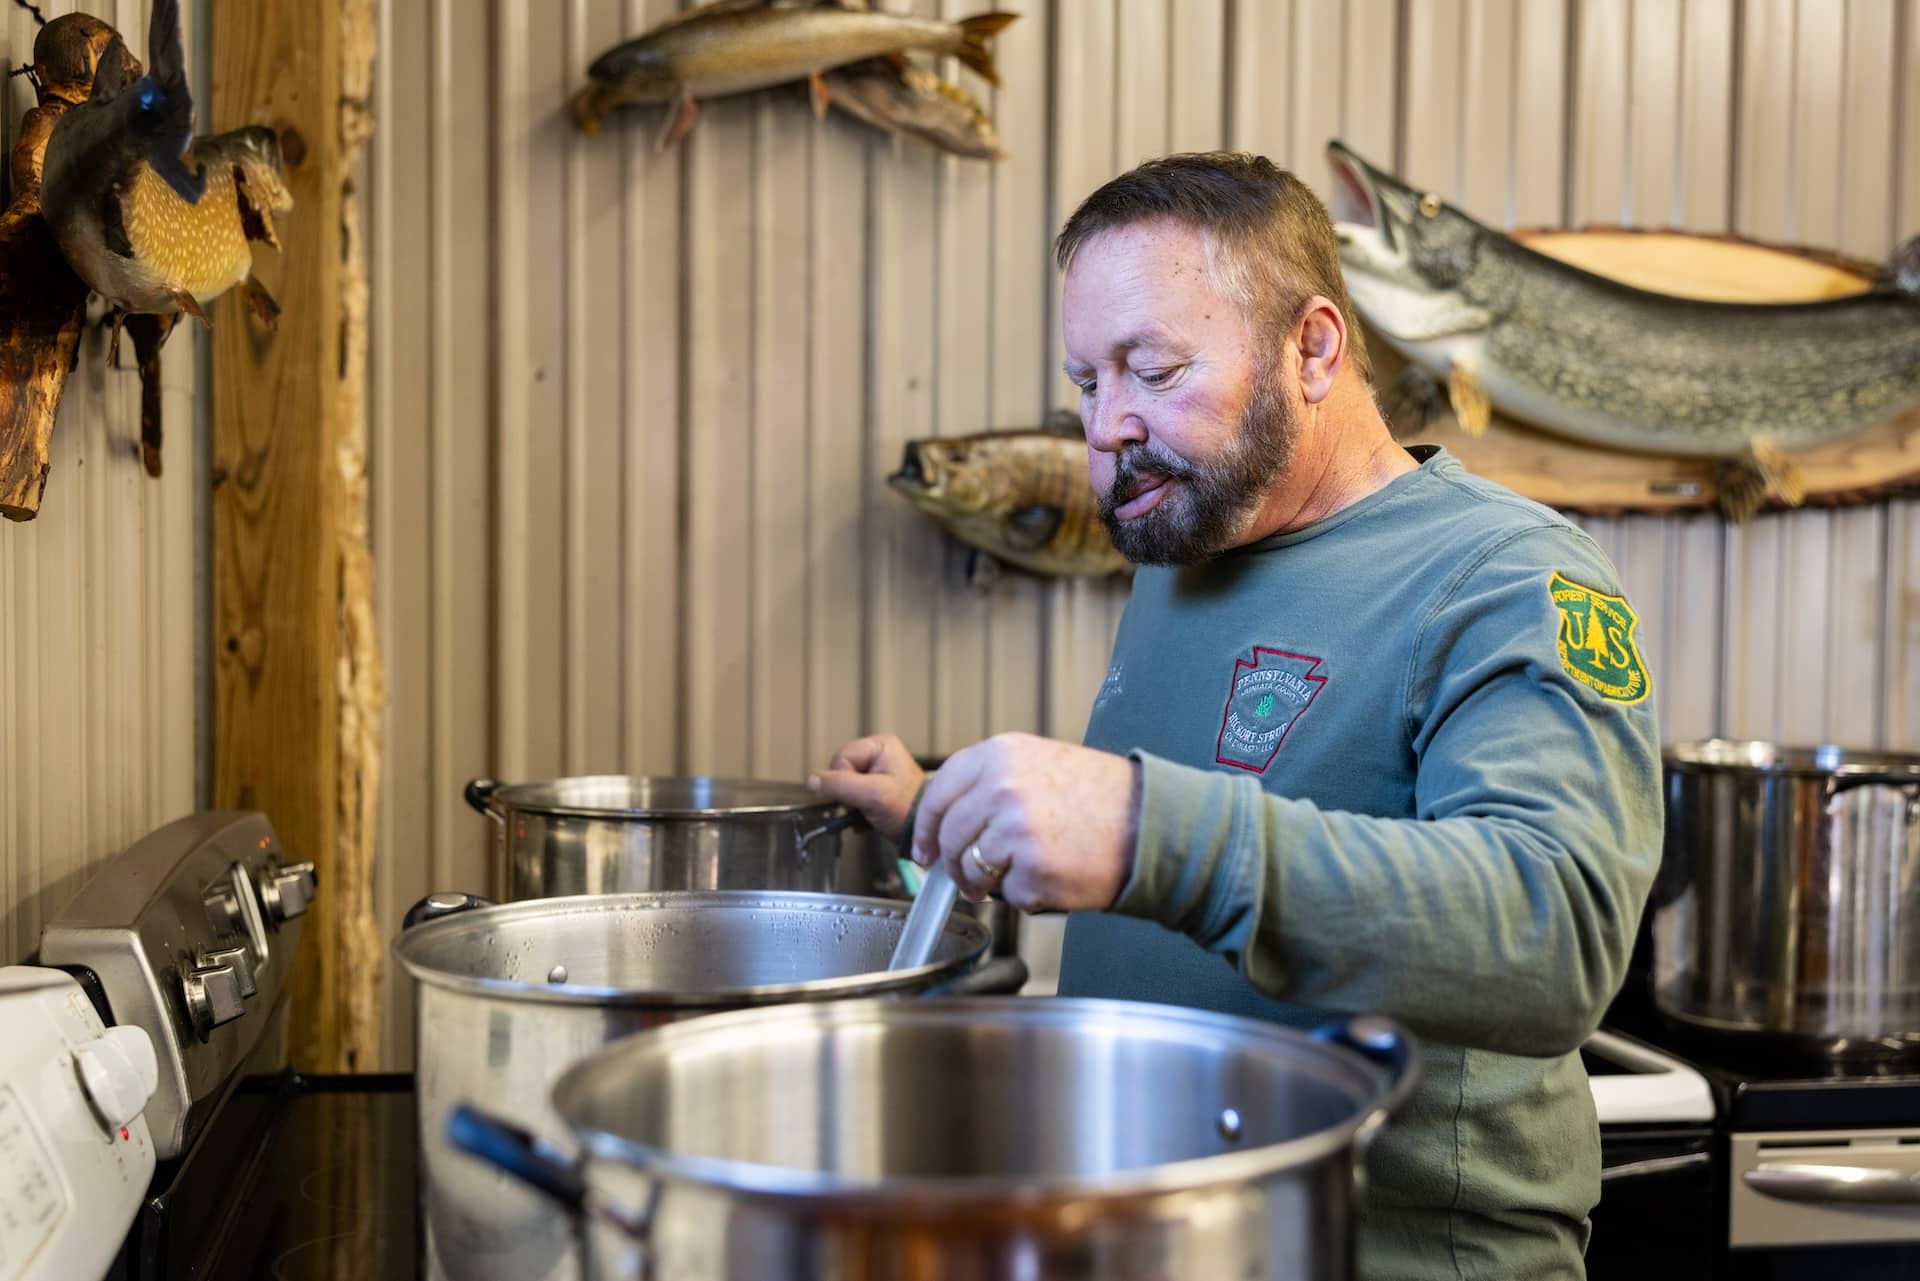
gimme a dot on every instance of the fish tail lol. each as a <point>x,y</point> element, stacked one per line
<point>974,34</point>
<point>1902,271</point>
<point>1764,471</point>
<point>163,114</point>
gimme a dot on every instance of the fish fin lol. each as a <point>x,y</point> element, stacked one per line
<point>1472,407</point>
<point>261,304</point>
<point>1764,471</point>
<point>679,122</point>
<point>1901,274</point>
<point>163,115</point>
<point>113,343</point>
<point>1415,391</point>
<point>983,571</point>
<point>191,305</point>
<point>113,223</point>
<point>585,109</point>
<point>974,34</point>
<point>821,95</point>
<point>1031,527</point>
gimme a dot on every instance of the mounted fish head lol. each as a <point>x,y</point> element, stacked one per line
<point>636,73</point>
<point>1408,256</point>
<point>940,477</point>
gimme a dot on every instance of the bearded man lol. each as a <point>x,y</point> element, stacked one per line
<point>1376,737</point>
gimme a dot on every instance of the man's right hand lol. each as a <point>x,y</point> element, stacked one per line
<point>876,775</point>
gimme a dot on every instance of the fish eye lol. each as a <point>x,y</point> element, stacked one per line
<point>1430,204</point>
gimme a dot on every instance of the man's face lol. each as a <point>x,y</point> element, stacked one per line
<point>1187,419</point>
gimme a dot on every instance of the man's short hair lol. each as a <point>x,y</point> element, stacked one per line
<point>1269,240</point>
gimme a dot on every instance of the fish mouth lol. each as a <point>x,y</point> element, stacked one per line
<point>1364,206</point>
<point>918,476</point>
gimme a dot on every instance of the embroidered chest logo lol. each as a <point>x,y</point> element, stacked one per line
<point>1108,688</point>
<point>1267,698</point>
<point>1596,641</point>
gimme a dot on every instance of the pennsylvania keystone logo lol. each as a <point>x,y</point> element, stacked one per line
<point>1596,641</point>
<point>1267,697</point>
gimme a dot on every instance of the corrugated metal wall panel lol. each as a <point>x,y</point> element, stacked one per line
<point>98,654</point>
<point>634,409</point>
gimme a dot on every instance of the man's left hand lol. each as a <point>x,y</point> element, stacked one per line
<point>1048,825</point>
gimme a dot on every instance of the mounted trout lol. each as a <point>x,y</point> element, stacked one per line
<point>1608,364</point>
<point>730,47</point>
<point>1018,496</point>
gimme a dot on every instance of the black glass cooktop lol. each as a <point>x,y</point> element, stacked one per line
<point>296,1178</point>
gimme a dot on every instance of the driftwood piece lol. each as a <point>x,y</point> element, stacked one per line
<point>42,301</point>
<point>1880,462</point>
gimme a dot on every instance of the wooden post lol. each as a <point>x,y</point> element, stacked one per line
<point>296,679</point>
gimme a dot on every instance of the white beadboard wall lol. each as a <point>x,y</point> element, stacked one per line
<point>632,410</point>
<point>99,651</point>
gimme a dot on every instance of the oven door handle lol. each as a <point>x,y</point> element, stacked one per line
<point>1849,1184</point>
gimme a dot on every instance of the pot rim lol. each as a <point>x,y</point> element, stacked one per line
<point>527,798</point>
<point>933,1195</point>
<point>1821,760</point>
<point>977,938</point>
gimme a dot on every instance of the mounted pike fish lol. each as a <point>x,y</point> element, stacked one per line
<point>1608,364</point>
<point>723,49</point>
<point>1018,496</point>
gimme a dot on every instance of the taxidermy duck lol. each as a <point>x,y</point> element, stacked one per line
<point>156,221</point>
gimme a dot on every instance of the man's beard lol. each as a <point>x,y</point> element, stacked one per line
<point>1210,505</point>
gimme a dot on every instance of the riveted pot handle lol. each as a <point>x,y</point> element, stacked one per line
<point>802,840</point>
<point>480,795</point>
<point>443,903</point>
<point>508,1147</point>
<point>1386,1043</point>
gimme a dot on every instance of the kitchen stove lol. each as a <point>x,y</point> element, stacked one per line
<point>1816,1158</point>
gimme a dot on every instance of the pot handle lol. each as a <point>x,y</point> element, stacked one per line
<point>1386,1043</point>
<point>508,1147</point>
<point>443,903</point>
<point>801,840</point>
<point>480,795</point>
<point>1002,976</point>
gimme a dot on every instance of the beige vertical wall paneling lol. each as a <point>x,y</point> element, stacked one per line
<point>777,464</point>
<point>595,432</point>
<point>906,553</point>
<point>651,404</point>
<point>634,410</point>
<point>1020,371</point>
<point>963,294</point>
<point>98,656</point>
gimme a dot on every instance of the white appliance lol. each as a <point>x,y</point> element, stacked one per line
<point>75,1152</point>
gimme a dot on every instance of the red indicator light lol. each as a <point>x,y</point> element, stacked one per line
<point>123,1133</point>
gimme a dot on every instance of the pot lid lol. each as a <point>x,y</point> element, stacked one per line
<point>619,796</point>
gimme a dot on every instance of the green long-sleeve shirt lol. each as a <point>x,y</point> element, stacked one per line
<point>1405,761</point>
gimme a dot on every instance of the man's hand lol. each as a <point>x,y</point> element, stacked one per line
<point>1049,825</point>
<point>878,777</point>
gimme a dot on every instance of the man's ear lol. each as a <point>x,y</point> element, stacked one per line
<point>1321,337</point>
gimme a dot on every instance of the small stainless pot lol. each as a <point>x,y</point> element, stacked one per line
<point>507,997</point>
<point>611,834</point>
<point>966,1140</point>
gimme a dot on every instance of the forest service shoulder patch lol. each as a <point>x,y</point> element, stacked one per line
<point>1597,645</point>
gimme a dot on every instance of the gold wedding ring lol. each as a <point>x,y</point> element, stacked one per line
<point>979,861</point>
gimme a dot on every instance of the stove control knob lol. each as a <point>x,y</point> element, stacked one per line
<point>288,891</point>
<point>213,997</point>
<point>223,909</point>
<point>119,1073</point>
<point>239,957</point>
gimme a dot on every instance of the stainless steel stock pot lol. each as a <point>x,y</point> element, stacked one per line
<point>1025,1139</point>
<point>1788,901</point>
<point>507,997</point>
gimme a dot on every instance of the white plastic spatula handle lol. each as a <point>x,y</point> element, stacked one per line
<point>926,919</point>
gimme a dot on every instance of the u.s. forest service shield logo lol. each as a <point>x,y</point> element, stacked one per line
<point>1596,641</point>
<point>1267,697</point>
